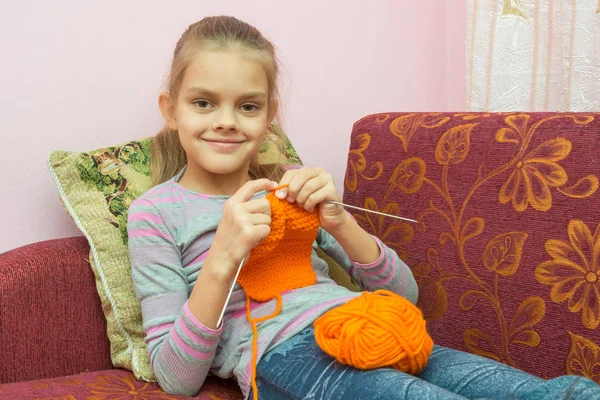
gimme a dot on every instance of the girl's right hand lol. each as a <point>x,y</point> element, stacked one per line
<point>244,224</point>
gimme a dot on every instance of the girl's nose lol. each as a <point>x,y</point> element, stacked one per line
<point>225,120</point>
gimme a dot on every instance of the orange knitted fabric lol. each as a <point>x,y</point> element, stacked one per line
<point>281,262</point>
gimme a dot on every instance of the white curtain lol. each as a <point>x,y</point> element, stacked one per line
<point>533,55</point>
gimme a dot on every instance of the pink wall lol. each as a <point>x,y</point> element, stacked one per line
<point>81,75</point>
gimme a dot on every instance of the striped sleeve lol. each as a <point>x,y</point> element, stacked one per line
<point>181,349</point>
<point>387,272</point>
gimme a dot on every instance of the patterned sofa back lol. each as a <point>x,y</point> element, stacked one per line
<point>507,248</point>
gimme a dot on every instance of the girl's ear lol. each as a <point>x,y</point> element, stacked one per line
<point>167,110</point>
<point>273,106</point>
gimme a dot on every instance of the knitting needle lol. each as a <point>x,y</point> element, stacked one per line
<point>370,211</point>
<point>230,292</point>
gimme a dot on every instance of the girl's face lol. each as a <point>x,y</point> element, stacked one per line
<point>222,113</point>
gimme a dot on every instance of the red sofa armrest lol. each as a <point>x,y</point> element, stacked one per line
<point>51,320</point>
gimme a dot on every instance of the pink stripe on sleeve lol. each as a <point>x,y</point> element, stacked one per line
<point>378,271</point>
<point>165,189</point>
<point>384,281</point>
<point>145,216</point>
<point>200,340</point>
<point>200,355</point>
<point>169,200</point>
<point>201,257</point>
<point>148,232</point>
<point>157,328</point>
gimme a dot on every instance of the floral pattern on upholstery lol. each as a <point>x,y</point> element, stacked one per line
<point>110,387</point>
<point>538,171</point>
<point>116,384</point>
<point>573,272</point>
<point>357,163</point>
<point>492,193</point>
<point>584,358</point>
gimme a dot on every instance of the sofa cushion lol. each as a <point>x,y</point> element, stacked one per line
<point>506,250</point>
<point>111,384</point>
<point>96,188</point>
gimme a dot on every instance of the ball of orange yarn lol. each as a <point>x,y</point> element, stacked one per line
<point>374,330</point>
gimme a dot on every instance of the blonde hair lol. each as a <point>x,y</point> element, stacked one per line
<point>216,33</point>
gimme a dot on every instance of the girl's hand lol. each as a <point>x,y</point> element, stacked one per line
<point>244,224</point>
<point>310,188</point>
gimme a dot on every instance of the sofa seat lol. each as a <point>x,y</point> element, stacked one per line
<point>110,384</point>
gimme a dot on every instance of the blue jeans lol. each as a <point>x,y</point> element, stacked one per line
<point>299,369</point>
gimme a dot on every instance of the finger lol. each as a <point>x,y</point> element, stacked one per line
<point>255,227</point>
<point>285,181</point>
<point>259,219</point>
<point>261,232</point>
<point>258,206</point>
<point>246,192</point>
<point>316,198</point>
<point>299,180</point>
<point>309,187</point>
<point>281,193</point>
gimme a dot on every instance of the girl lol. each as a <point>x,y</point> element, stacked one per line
<point>189,234</point>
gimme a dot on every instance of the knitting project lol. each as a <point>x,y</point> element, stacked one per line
<point>282,261</point>
<point>374,330</point>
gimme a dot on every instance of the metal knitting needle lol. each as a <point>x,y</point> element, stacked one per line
<point>370,211</point>
<point>230,292</point>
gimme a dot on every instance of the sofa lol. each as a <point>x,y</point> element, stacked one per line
<point>506,252</point>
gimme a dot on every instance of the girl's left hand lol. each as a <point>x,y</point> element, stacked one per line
<point>310,188</point>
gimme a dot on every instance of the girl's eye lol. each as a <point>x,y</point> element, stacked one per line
<point>249,107</point>
<point>202,103</point>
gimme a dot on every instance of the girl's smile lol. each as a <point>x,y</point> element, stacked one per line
<point>226,145</point>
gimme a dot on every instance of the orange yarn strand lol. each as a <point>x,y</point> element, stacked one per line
<point>375,330</point>
<point>253,323</point>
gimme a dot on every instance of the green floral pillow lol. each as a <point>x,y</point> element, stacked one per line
<point>96,188</point>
